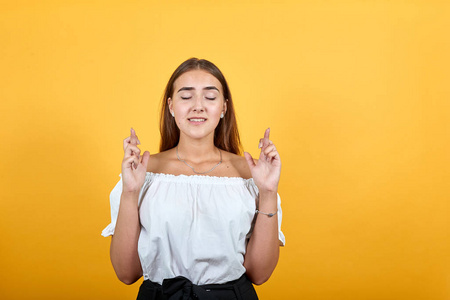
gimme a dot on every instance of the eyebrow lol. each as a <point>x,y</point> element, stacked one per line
<point>190,88</point>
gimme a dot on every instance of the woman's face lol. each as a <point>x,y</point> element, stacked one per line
<point>197,103</point>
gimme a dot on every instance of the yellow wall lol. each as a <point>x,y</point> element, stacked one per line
<point>356,93</point>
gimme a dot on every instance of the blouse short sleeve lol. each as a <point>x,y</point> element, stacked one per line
<point>114,199</point>
<point>280,216</point>
<point>281,237</point>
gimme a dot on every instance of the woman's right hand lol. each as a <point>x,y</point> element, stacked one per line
<point>134,167</point>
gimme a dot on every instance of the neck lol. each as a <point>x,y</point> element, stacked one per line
<point>197,151</point>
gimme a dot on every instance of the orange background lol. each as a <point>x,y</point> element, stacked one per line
<point>356,94</point>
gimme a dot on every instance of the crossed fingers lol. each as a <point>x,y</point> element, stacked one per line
<point>132,152</point>
<point>268,149</point>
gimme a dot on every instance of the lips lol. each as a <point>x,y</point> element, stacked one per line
<point>197,119</point>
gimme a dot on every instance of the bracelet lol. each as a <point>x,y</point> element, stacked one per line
<point>269,215</point>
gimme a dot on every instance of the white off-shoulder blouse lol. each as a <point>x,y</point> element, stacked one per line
<point>193,226</point>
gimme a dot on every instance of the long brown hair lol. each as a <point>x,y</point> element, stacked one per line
<point>226,135</point>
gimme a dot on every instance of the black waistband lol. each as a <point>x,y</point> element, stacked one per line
<point>181,288</point>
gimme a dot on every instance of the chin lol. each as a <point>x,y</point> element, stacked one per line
<point>198,133</point>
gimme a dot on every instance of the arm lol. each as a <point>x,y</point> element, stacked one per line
<point>124,243</point>
<point>263,247</point>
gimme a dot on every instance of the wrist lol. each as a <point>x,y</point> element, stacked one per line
<point>130,196</point>
<point>131,189</point>
<point>268,193</point>
<point>267,202</point>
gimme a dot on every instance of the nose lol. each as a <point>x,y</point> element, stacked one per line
<point>198,105</point>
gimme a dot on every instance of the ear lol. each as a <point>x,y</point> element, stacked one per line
<point>225,106</point>
<point>170,103</point>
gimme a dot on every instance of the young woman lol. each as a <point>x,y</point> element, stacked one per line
<point>197,220</point>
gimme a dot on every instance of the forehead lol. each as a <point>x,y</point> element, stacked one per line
<point>197,79</point>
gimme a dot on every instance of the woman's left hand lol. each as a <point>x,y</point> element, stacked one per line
<point>266,171</point>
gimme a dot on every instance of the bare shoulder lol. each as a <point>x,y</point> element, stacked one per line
<point>160,162</point>
<point>235,166</point>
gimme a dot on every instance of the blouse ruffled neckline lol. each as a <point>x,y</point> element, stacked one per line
<point>196,178</point>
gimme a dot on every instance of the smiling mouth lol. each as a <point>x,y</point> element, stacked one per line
<point>197,120</point>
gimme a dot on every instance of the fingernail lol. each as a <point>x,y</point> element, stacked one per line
<point>260,144</point>
<point>139,142</point>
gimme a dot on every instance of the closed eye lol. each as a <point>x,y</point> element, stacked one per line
<point>211,98</point>
<point>186,98</point>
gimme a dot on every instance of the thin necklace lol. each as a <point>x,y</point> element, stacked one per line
<point>182,160</point>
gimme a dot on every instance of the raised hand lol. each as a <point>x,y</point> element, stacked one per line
<point>266,171</point>
<point>134,167</point>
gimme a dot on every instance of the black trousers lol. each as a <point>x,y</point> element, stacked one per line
<point>180,288</point>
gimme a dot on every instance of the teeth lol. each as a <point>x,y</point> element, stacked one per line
<point>197,120</point>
